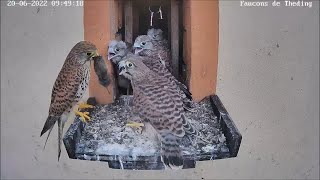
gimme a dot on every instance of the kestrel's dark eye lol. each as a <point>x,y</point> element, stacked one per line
<point>129,64</point>
<point>117,49</point>
<point>89,54</point>
<point>143,43</point>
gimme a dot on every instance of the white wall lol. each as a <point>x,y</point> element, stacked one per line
<point>278,117</point>
<point>271,92</point>
<point>34,44</point>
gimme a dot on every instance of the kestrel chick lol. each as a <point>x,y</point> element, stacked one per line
<point>70,87</point>
<point>157,101</point>
<point>157,36</point>
<point>144,46</point>
<point>116,51</point>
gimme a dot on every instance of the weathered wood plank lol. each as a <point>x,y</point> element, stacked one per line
<point>128,13</point>
<point>175,37</point>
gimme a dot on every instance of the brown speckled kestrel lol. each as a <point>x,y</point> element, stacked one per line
<point>144,45</point>
<point>157,101</point>
<point>70,87</point>
<point>155,56</point>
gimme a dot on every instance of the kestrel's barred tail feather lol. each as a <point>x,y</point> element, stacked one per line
<point>47,138</point>
<point>51,120</point>
<point>170,150</point>
<point>191,130</point>
<point>60,131</point>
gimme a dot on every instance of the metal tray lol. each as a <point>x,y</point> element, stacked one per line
<point>232,138</point>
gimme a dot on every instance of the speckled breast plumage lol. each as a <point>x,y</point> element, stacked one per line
<point>84,83</point>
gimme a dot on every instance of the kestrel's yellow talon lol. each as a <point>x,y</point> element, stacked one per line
<point>84,106</point>
<point>135,125</point>
<point>83,116</point>
<point>86,116</point>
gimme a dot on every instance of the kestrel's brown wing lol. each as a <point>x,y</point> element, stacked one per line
<point>157,105</point>
<point>66,88</point>
<point>170,106</point>
<point>160,107</point>
<point>161,70</point>
<point>63,94</point>
<point>163,53</point>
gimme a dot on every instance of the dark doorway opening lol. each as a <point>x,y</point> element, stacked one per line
<point>145,8</point>
<point>136,21</point>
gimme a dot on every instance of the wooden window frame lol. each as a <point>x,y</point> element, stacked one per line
<point>200,48</point>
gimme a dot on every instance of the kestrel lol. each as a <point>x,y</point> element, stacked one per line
<point>144,46</point>
<point>157,101</point>
<point>116,51</point>
<point>157,36</point>
<point>70,87</point>
<point>120,51</point>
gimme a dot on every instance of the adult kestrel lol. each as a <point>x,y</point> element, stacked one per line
<point>70,87</point>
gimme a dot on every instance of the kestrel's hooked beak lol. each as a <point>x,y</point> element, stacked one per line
<point>111,55</point>
<point>122,67</point>
<point>137,48</point>
<point>94,54</point>
<point>122,70</point>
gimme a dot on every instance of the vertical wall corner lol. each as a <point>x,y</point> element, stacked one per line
<point>100,24</point>
<point>201,20</point>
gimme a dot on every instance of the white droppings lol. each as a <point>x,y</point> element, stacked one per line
<point>121,164</point>
<point>95,136</point>
<point>222,138</point>
<point>112,149</point>
<point>109,121</point>
<point>108,135</point>
<point>86,157</point>
<point>208,148</point>
<point>142,151</point>
<point>186,152</point>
